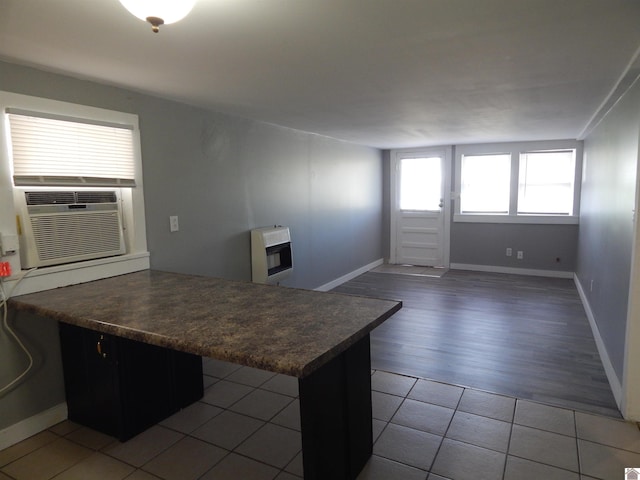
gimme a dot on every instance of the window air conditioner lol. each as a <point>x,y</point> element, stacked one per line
<point>66,226</point>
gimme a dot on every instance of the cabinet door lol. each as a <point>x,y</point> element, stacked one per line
<point>145,385</point>
<point>122,387</point>
<point>91,379</point>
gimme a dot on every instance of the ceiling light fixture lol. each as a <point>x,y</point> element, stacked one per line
<point>159,12</point>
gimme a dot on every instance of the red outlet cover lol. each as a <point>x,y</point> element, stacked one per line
<point>5,269</point>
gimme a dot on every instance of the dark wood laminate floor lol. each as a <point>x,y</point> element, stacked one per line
<point>527,337</point>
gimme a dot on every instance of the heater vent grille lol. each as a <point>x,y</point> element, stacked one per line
<point>271,259</point>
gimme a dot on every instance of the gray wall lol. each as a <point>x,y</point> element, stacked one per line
<point>44,387</point>
<point>542,245</point>
<point>222,176</point>
<point>606,222</point>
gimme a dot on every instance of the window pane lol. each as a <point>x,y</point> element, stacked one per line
<point>485,184</point>
<point>546,183</point>
<point>420,183</point>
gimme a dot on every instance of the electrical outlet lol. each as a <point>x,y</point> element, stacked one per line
<point>173,223</point>
<point>509,252</point>
<point>520,254</point>
<point>8,245</point>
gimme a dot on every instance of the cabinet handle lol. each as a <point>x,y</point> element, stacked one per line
<point>99,347</point>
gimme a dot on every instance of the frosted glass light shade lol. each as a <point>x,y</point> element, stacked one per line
<point>168,11</point>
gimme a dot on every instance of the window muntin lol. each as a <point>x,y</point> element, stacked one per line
<point>421,183</point>
<point>546,182</point>
<point>63,151</point>
<point>485,184</point>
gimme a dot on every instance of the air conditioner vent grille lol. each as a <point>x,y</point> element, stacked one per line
<point>96,197</point>
<point>71,225</point>
<point>74,234</point>
<point>68,198</point>
<point>50,198</point>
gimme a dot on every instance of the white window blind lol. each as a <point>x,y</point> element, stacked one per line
<point>48,150</point>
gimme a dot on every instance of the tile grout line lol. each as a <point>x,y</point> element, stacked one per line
<point>575,428</point>
<point>506,457</point>
<point>444,435</point>
<point>386,422</point>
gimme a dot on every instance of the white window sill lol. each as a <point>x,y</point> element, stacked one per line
<point>521,219</point>
<point>47,278</point>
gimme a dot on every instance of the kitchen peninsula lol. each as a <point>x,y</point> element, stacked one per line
<point>322,338</point>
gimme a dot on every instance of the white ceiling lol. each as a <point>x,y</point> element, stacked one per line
<point>384,73</point>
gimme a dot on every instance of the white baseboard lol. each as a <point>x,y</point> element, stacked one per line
<point>614,381</point>
<point>512,270</point>
<point>349,276</point>
<point>32,425</point>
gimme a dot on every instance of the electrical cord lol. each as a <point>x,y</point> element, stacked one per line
<point>5,310</point>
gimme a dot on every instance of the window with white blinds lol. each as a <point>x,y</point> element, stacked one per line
<point>52,150</point>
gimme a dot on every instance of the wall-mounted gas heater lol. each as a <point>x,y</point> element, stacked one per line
<point>58,227</point>
<point>271,259</point>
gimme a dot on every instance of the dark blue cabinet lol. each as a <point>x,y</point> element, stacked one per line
<point>120,386</point>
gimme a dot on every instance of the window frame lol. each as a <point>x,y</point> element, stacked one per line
<point>515,149</point>
<point>44,278</point>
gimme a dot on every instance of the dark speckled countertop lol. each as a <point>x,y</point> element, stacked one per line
<point>283,330</point>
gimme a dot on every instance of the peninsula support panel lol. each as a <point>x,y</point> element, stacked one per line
<point>336,416</point>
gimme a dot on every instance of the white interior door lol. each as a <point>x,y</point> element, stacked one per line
<point>418,208</point>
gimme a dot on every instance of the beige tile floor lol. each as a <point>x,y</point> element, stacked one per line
<point>247,427</point>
